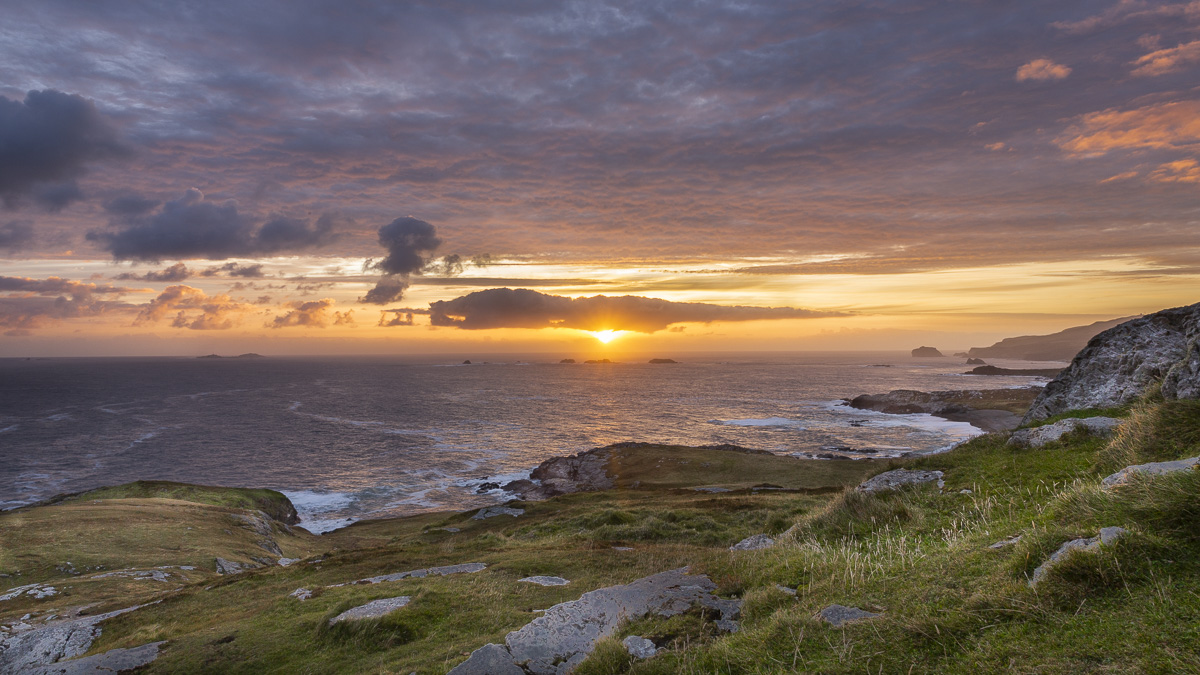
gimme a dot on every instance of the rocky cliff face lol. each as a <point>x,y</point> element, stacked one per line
<point>1120,364</point>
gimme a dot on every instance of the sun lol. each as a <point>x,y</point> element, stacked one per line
<point>605,336</point>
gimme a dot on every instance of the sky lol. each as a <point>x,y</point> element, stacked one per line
<point>462,177</point>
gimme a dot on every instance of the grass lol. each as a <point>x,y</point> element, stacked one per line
<point>918,556</point>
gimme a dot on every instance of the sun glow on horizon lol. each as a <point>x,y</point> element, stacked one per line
<point>605,336</point>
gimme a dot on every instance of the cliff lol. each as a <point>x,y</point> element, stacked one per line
<point>1060,346</point>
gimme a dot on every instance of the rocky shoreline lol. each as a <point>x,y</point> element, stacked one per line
<point>992,410</point>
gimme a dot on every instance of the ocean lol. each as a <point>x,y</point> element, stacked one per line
<point>352,438</point>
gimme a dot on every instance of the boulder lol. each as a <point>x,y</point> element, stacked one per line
<point>545,581</point>
<point>1049,433</point>
<point>558,641</point>
<point>1122,363</point>
<point>230,567</point>
<point>493,511</point>
<point>840,615</point>
<point>1107,537</point>
<point>372,610</point>
<point>753,543</point>
<point>639,647</point>
<point>898,478</point>
<point>1153,469</point>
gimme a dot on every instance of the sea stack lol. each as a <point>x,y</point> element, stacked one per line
<point>926,352</point>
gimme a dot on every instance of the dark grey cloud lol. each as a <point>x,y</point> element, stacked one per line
<point>194,227</point>
<point>124,206</point>
<point>400,317</point>
<point>48,138</point>
<point>523,308</point>
<point>409,242</point>
<point>387,289</point>
<point>176,272</point>
<point>254,271</point>
<point>16,234</point>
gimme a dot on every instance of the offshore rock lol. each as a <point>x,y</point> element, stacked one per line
<point>1043,435</point>
<point>898,478</point>
<point>1124,362</point>
<point>926,352</point>
<point>1152,469</point>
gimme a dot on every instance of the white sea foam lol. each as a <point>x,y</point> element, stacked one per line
<point>761,422</point>
<point>10,428</point>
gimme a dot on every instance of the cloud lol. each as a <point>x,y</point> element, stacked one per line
<point>16,235</point>
<point>193,309</point>
<point>233,269</point>
<point>194,227</point>
<point>1181,171</point>
<point>36,302</point>
<point>1041,70</point>
<point>312,314</point>
<point>403,317</point>
<point>410,244</point>
<point>55,197</point>
<point>48,139</point>
<point>176,272</point>
<point>523,308</point>
<point>1125,11</point>
<point>1166,61</point>
<point>1161,126</point>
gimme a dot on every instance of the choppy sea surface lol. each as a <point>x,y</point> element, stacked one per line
<point>350,438</point>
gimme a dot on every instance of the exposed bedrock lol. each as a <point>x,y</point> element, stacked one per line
<point>1124,362</point>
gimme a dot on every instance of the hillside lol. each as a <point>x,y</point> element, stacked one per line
<point>921,558</point>
<point>1060,346</point>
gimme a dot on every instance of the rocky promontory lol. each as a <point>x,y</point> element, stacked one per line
<point>990,409</point>
<point>1124,362</point>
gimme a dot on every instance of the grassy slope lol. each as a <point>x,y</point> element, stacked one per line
<point>949,603</point>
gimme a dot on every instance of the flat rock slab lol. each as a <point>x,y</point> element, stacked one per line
<point>490,659</point>
<point>545,581</point>
<point>639,647</point>
<point>1107,537</point>
<point>372,610</point>
<point>753,543</point>
<point>1005,543</point>
<point>493,511</point>
<point>301,594</point>
<point>38,591</point>
<point>1153,469</point>
<point>894,480</point>
<point>1049,433</point>
<point>47,645</point>
<point>155,575</point>
<point>840,615</point>
<point>463,568</point>
<point>111,661</point>
<point>230,567</point>
<point>558,641</point>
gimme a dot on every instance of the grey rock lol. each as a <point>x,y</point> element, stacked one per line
<point>38,591</point>
<point>753,543</point>
<point>898,478</point>
<point>622,548</point>
<point>284,562</point>
<point>491,659</point>
<point>301,594</point>
<point>111,661</point>
<point>493,511</point>
<point>461,568</point>
<point>1107,537</point>
<point>32,648</point>
<point>786,589</point>
<point>154,575</point>
<point>230,567</point>
<point>557,641</point>
<point>840,615</point>
<point>712,490</point>
<point>1152,469</point>
<point>372,610</point>
<point>1122,363</point>
<point>1040,436</point>
<point>727,625</point>
<point>1005,543</point>
<point>545,581</point>
<point>639,647</point>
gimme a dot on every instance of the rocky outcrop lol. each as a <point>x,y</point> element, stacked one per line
<point>1060,346</point>
<point>926,352</point>
<point>1019,372</point>
<point>754,543</point>
<point>1122,363</point>
<point>639,647</point>
<point>899,478</point>
<point>1107,537</point>
<point>38,649</point>
<point>372,610</point>
<point>987,409</point>
<point>461,568</point>
<point>493,511</point>
<point>542,580</point>
<point>558,641</point>
<point>1152,469</point>
<point>1049,433</point>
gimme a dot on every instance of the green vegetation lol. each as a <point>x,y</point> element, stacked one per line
<point>919,556</point>
<point>273,503</point>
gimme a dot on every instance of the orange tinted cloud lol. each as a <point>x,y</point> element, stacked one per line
<point>1165,61</point>
<point>1161,126</point>
<point>1182,171</point>
<point>193,309</point>
<point>1041,70</point>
